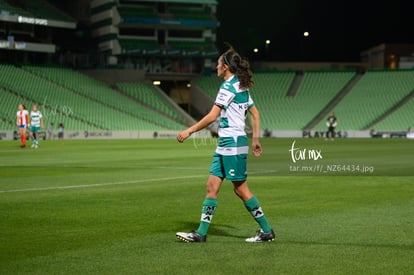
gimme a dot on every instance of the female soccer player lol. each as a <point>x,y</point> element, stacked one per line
<point>36,123</point>
<point>232,103</point>
<point>22,123</point>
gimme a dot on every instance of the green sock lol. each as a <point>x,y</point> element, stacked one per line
<point>209,207</point>
<point>253,206</point>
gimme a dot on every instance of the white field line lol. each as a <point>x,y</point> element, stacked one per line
<point>95,185</point>
<point>113,183</point>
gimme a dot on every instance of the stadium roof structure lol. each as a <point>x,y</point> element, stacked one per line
<point>184,1</point>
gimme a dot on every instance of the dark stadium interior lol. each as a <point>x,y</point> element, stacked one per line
<point>339,30</point>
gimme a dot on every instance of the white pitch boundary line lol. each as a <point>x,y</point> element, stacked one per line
<point>112,183</point>
<point>95,185</point>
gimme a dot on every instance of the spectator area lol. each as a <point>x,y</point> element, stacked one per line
<point>375,94</point>
<point>85,104</point>
<point>380,100</point>
<point>150,97</point>
<point>401,119</point>
<point>280,111</point>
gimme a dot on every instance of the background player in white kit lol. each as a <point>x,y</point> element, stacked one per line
<point>36,123</point>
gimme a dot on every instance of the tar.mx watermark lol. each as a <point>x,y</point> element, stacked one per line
<point>308,160</point>
<point>50,111</point>
<point>333,169</point>
<point>304,154</point>
<point>202,140</point>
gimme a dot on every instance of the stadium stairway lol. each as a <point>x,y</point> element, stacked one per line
<point>188,119</point>
<point>295,84</point>
<point>331,105</point>
<point>395,116</point>
<point>379,94</point>
<point>155,100</point>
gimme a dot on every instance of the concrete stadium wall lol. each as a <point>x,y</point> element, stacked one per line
<point>84,135</point>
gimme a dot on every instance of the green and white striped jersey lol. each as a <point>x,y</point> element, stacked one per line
<point>35,118</point>
<point>234,103</point>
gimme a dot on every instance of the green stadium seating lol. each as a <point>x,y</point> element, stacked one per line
<point>85,100</point>
<point>400,120</point>
<point>282,112</point>
<point>374,94</point>
<point>150,97</point>
<point>209,85</point>
<point>10,102</point>
<point>83,103</point>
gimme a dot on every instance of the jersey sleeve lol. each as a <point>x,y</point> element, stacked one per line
<point>250,102</point>
<point>224,98</point>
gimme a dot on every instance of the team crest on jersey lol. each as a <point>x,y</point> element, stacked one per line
<point>226,85</point>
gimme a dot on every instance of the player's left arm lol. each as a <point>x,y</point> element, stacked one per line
<point>42,123</point>
<point>256,146</point>
<point>203,123</point>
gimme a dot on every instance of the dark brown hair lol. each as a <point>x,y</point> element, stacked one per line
<point>239,66</point>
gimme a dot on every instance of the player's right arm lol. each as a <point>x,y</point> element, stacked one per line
<point>203,123</point>
<point>256,146</point>
<point>42,122</point>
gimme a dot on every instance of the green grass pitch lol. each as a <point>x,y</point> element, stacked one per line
<point>113,207</point>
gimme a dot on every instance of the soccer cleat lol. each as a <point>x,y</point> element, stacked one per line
<point>262,237</point>
<point>192,237</point>
<point>33,145</point>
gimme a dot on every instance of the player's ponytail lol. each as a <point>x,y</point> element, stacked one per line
<point>240,67</point>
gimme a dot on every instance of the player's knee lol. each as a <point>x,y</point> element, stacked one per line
<point>211,192</point>
<point>213,187</point>
<point>241,189</point>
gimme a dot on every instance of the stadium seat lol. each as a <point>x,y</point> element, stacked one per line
<point>280,111</point>
<point>375,93</point>
<point>89,104</point>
